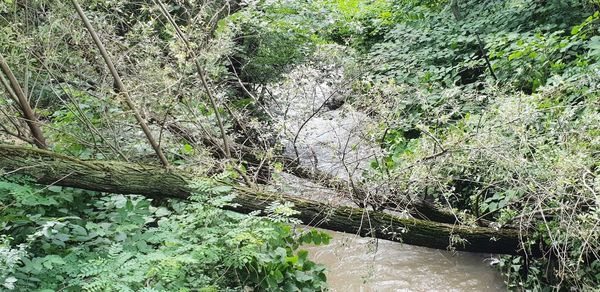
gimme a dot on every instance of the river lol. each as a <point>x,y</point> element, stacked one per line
<point>336,140</point>
<point>364,264</point>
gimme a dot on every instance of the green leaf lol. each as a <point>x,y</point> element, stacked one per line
<point>49,262</point>
<point>303,276</point>
<point>55,189</point>
<point>187,149</point>
<point>515,55</point>
<point>222,189</point>
<point>575,30</point>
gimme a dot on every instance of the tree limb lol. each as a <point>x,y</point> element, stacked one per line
<point>119,84</point>
<point>15,90</point>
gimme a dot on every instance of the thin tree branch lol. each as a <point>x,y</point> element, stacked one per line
<point>211,98</point>
<point>28,114</point>
<point>11,93</point>
<point>75,109</point>
<point>119,84</point>
<point>16,135</point>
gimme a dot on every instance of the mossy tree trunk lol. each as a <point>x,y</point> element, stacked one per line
<point>128,178</point>
<point>418,208</point>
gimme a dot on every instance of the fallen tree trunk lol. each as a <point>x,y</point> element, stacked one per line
<point>359,195</point>
<point>127,178</point>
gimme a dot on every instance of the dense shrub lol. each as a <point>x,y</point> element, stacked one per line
<point>66,239</point>
<point>519,150</point>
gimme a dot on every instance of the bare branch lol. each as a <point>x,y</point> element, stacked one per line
<point>119,84</point>
<point>211,98</point>
<point>14,89</point>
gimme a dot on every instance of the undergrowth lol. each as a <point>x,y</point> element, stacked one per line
<point>63,239</point>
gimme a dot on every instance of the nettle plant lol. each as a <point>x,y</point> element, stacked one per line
<point>66,239</point>
<point>527,60</point>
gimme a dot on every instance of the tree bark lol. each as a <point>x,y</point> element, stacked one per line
<point>127,178</point>
<point>17,93</point>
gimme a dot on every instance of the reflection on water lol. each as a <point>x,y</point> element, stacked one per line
<point>363,264</point>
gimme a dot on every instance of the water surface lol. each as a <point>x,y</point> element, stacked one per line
<point>364,264</point>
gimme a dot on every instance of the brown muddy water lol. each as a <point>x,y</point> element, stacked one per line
<point>364,265</point>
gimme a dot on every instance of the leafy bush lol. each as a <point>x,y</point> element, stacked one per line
<point>435,49</point>
<point>66,239</point>
<point>527,60</point>
<point>270,39</point>
<point>519,151</point>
